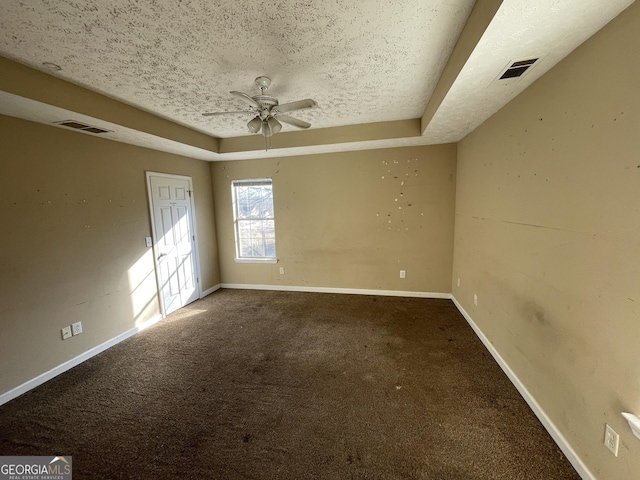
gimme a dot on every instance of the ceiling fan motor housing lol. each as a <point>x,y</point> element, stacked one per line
<point>267,103</point>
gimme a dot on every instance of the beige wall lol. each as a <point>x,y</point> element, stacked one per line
<point>548,236</point>
<point>350,220</point>
<point>74,215</point>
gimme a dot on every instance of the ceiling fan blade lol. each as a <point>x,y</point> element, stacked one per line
<point>212,114</point>
<point>246,98</point>
<point>293,121</point>
<point>288,107</point>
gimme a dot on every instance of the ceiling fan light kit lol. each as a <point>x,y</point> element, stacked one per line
<point>267,110</point>
<point>255,124</point>
<point>274,125</point>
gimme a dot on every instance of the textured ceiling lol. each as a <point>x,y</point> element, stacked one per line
<point>548,30</point>
<point>363,62</point>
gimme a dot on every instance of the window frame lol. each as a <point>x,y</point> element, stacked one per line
<point>237,219</point>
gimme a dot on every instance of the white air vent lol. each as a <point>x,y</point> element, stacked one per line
<point>517,69</point>
<point>81,126</point>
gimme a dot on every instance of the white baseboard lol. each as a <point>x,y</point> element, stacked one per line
<point>210,290</point>
<point>560,440</point>
<point>347,291</point>
<point>54,372</point>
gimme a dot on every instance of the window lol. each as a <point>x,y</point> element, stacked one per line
<point>254,220</point>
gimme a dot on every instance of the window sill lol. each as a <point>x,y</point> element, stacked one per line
<point>257,260</point>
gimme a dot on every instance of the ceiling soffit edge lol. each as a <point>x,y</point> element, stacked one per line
<point>481,16</point>
<point>23,81</point>
<point>322,136</point>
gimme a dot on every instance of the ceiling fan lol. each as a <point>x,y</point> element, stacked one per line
<point>268,112</point>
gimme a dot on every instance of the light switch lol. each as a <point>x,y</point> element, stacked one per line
<point>148,241</point>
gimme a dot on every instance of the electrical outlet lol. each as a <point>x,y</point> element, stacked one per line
<point>611,439</point>
<point>281,270</point>
<point>475,299</point>
<point>403,274</point>
<point>66,333</point>
<point>76,328</point>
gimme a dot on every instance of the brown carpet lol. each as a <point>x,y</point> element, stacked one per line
<point>281,385</point>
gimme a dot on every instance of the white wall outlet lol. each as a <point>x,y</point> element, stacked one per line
<point>403,274</point>
<point>475,299</point>
<point>281,270</point>
<point>66,333</point>
<point>611,439</point>
<point>76,328</point>
<point>147,241</point>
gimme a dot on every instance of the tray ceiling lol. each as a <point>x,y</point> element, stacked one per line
<point>363,62</point>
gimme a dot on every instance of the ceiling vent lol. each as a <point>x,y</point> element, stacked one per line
<point>517,69</point>
<point>81,126</point>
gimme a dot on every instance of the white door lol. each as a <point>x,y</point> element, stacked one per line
<point>174,243</point>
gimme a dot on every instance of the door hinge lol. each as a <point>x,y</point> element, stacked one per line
<point>189,192</point>
<point>193,237</point>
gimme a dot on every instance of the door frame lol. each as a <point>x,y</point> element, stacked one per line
<point>192,217</point>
